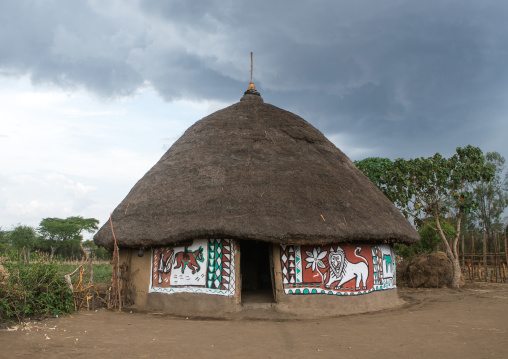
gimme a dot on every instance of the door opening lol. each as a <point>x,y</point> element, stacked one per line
<point>256,272</point>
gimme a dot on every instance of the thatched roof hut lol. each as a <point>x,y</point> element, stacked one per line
<point>253,198</point>
<point>255,171</point>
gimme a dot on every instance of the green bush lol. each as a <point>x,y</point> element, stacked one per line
<point>33,290</point>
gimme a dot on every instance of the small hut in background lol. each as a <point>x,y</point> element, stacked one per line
<point>253,201</point>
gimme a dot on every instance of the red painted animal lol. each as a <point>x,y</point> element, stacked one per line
<point>185,259</point>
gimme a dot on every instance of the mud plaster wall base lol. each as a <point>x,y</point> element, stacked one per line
<point>138,272</point>
<point>191,304</point>
<point>326,306</point>
<point>329,305</point>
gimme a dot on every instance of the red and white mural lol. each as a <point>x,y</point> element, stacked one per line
<point>204,266</point>
<point>337,269</point>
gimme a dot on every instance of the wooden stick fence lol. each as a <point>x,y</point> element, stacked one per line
<point>485,266</point>
<point>84,294</point>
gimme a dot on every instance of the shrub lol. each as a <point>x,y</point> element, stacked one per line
<point>35,290</point>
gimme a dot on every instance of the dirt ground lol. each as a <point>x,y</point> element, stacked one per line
<point>441,323</point>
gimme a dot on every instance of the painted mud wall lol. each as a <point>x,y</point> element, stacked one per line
<point>140,278</point>
<point>205,266</point>
<point>337,269</point>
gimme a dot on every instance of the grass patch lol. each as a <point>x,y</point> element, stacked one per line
<point>101,272</point>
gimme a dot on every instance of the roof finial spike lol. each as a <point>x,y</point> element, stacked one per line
<point>252,88</point>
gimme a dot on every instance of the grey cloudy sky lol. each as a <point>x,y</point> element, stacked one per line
<point>93,92</point>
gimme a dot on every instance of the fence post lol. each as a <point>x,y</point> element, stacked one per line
<point>92,284</point>
<point>505,248</point>
<point>472,253</point>
<point>497,250</point>
<point>485,255</point>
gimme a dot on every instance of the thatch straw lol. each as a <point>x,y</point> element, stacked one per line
<point>254,171</point>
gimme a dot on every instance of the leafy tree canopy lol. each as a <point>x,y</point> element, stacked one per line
<point>22,237</point>
<point>4,242</point>
<point>424,187</point>
<point>492,197</point>
<point>71,228</point>
<point>67,232</point>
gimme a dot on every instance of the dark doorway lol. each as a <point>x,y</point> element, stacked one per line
<point>256,272</point>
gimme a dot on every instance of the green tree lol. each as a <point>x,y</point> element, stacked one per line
<point>4,241</point>
<point>96,251</point>
<point>492,199</point>
<point>23,238</point>
<point>378,170</point>
<point>58,232</point>
<point>430,241</point>
<point>424,187</point>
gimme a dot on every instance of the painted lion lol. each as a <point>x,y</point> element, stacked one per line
<point>342,270</point>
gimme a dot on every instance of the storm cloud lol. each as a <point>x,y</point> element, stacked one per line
<point>405,77</point>
<point>387,78</point>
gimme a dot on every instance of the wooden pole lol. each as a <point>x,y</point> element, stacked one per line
<point>251,65</point>
<point>116,268</point>
<point>472,253</point>
<point>485,255</point>
<point>92,284</point>
<point>496,250</point>
<point>505,248</point>
<point>119,282</point>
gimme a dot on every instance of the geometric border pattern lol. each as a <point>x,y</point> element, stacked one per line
<point>290,271</point>
<point>383,256</point>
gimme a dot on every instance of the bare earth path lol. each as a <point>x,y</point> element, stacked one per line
<point>436,323</point>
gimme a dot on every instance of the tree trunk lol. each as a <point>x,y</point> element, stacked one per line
<point>83,250</point>
<point>451,252</point>
<point>463,251</point>
<point>53,249</point>
<point>24,255</point>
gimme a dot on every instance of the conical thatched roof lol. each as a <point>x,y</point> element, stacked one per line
<point>254,171</point>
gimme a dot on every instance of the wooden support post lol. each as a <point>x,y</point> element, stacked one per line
<point>119,283</point>
<point>92,284</point>
<point>472,253</point>
<point>505,248</point>
<point>497,250</point>
<point>116,270</point>
<point>485,255</point>
<point>469,269</point>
